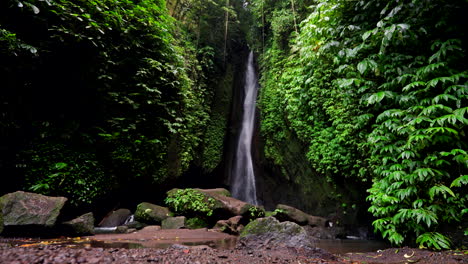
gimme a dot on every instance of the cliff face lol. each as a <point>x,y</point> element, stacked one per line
<point>295,183</point>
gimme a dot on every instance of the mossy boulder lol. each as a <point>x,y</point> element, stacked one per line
<point>173,222</point>
<point>212,204</point>
<point>30,209</point>
<point>192,202</point>
<point>82,225</point>
<point>268,232</point>
<point>151,214</point>
<point>216,191</point>
<point>231,226</point>
<point>289,213</point>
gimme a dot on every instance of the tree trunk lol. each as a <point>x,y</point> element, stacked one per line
<point>294,15</point>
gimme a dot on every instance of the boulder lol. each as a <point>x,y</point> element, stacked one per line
<point>135,225</point>
<point>224,206</point>
<point>228,206</point>
<point>121,229</point>
<point>231,226</point>
<point>173,222</point>
<point>151,228</point>
<point>289,213</point>
<point>150,213</point>
<point>30,209</point>
<point>115,218</point>
<point>324,232</point>
<point>82,225</point>
<point>268,232</point>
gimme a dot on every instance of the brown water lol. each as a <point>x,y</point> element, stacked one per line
<point>335,246</point>
<point>228,243</point>
<point>343,246</point>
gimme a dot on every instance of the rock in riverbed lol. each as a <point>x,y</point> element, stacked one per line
<point>29,212</point>
<point>268,232</point>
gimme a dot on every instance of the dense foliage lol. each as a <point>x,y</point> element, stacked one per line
<point>114,88</point>
<point>190,201</point>
<point>378,91</point>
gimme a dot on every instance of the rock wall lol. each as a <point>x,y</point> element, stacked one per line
<point>296,183</point>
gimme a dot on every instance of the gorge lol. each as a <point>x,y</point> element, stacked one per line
<point>362,111</point>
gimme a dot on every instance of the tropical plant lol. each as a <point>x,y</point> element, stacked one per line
<point>190,201</point>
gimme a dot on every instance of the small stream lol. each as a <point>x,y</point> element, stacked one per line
<point>334,246</point>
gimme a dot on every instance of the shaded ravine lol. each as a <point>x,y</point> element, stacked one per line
<point>243,183</point>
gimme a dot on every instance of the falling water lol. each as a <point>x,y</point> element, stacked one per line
<point>243,176</point>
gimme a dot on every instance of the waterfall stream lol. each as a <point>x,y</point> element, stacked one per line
<point>243,176</point>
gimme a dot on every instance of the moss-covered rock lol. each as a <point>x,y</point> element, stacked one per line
<point>231,226</point>
<point>82,225</point>
<point>289,213</point>
<point>216,191</point>
<point>151,214</point>
<point>173,222</point>
<point>269,232</point>
<point>211,204</point>
<point>23,208</point>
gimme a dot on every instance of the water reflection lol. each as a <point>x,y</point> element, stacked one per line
<point>229,243</point>
<point>343,246</point>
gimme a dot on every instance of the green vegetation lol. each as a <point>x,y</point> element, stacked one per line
<point>275,212</point>
<point>100,96</point>
<point>190,201</point>
<point>122,89</point>
<point>255,212</point>
<point>55,170</point>
<point>378,91</point>
<point>196,223</point>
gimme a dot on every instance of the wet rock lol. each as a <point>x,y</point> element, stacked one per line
<point>289,213</point>
<point>30,209</point>
<point>82,225</point>
<point>121,229</point>
<point>268,232</point>
<point>225,206</point>
<point>230,226</point>
<point>151,213</point>
<point>324,232</point>
<point>131,230</point>
<point>173,222</point>
<point>136,225</point>
<point>151,228</point>
<point>115,218</point>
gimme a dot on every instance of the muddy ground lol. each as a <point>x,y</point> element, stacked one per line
<point>193,246</point>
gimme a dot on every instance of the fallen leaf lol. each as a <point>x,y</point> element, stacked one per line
<point>29,245</point>
<point>409,256</point>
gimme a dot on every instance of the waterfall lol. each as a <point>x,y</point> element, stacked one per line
<point>243,176</point>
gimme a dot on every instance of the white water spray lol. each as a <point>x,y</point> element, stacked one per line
<point>243,176</point>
